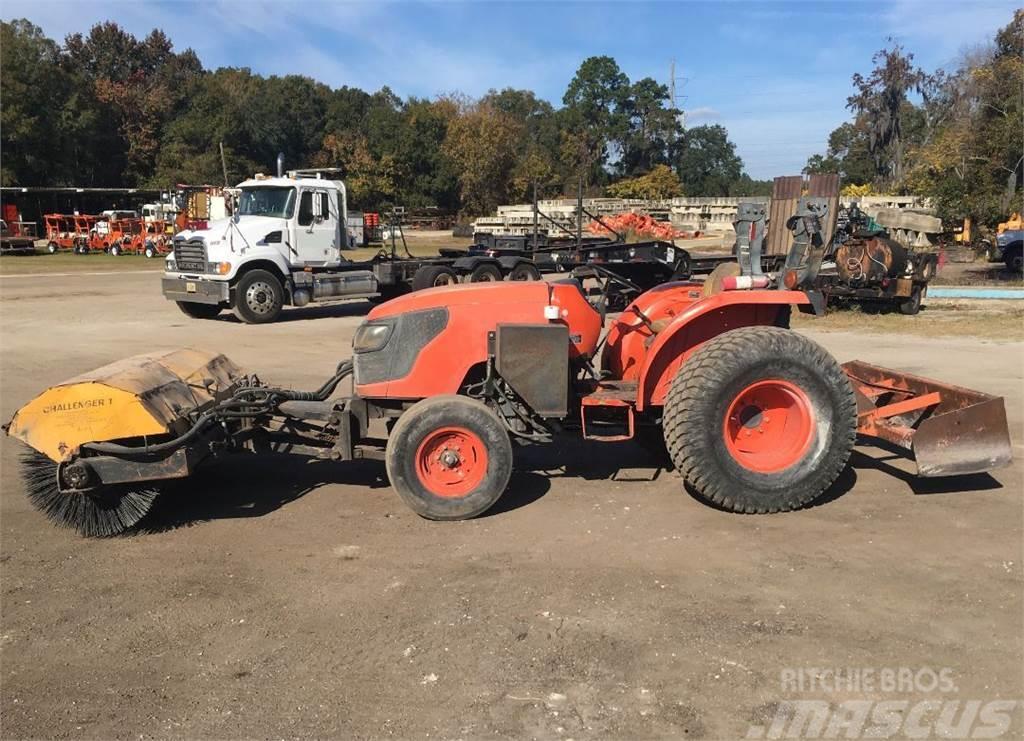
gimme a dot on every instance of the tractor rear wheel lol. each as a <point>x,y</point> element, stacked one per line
<point>760,419</point>
<point>449,458</point>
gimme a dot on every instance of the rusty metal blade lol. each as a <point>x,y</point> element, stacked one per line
<point>949,430</point>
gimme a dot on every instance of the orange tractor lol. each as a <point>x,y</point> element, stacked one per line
<point>756,418</point>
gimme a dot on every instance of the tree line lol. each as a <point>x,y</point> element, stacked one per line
<point>956,136</point>
<point>106,109</point>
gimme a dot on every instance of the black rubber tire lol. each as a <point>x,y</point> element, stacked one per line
<point>428,416</point>
<point>485,273</point>
<point>150,251</point>
<point>261,283</point>
<point>52,248</point>
<point>199,311</point>
<point>912,304</point>
<point>710,380</point>
<point>431,276</point>
<point>114,250</point>
<point>1013,258</point>
<point>524,271</point>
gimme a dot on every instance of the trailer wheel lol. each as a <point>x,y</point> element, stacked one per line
<point>485,273</point>
<point>912,304</point>
<point>114,250</point>
<point>524,271</point>
<point>449,458</point>
<point>52,248</point>
<point>259,297</point>
<point>150,250</point>
<point>1015,258</point>
<point>431,276</point>
<point>199,311</point>
<point>760,419</point>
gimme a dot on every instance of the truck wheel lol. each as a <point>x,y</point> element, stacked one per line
<point>431,276</point>
<point>199,311</point>
<point>52,248</point>
<point>911,305</point>
<point>449,458</point>
<point>524,271</point>
<point>760,419</point>
<point>259,297</point>
<point>485,273</point>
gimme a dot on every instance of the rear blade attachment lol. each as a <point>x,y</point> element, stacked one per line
<point>947,429</point>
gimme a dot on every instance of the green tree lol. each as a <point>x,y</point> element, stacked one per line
<point>880,102</point>
<point>707,162</point>
<point>31,87</point>
<point>653,127</point>
<point>481,142</point>
<point>660,182</point>
<point>847,155</point>
<point>594,118</point>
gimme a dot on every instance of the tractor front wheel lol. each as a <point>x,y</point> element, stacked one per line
<point>760,419</point>
<point>449,458</point>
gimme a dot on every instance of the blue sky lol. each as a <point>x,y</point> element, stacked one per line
<point>775,74</point>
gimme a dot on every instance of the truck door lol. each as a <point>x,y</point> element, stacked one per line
<point>317,228</point>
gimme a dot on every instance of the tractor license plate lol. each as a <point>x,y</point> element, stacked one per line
<point>190,287</point>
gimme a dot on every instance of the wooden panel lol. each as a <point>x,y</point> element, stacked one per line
<point>785,195</point>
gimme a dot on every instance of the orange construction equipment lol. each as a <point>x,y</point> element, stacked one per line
<point>60,233</point>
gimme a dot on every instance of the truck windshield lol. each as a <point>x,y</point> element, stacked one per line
<point>267,201</point>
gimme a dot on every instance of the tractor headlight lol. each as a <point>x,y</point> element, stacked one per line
<point>371,336</point>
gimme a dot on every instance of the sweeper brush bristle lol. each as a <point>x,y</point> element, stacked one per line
<point>97,514</point>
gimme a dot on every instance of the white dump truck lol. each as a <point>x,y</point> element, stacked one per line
<point>284,246</point>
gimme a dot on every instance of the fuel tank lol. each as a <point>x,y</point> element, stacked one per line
<point>869,261</point>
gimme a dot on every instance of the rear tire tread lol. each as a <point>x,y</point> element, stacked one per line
<point>710,364</point>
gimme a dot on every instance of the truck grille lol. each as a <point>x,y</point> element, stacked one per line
<point>190,255</point>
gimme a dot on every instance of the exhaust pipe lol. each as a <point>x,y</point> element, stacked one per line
<point>280,164</point>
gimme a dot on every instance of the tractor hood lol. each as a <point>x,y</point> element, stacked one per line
<point>484,295</point>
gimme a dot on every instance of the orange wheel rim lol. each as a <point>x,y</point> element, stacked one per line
<point>451,462</point>
<point>769,426</point>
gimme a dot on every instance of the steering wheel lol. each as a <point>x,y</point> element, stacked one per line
<point>610,278</point>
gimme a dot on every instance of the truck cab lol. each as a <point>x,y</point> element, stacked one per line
<point>282,245</point>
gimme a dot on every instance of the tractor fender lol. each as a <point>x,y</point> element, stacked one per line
<point>703,320</point>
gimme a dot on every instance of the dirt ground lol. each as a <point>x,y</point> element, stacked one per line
<point>268,598</point>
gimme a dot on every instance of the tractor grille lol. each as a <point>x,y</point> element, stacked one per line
<point>190,255</point>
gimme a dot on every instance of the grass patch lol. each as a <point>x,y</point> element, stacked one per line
<point>996,320</point>
<point>69,262</point>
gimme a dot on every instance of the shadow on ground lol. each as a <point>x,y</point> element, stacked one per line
<point>255,486</point>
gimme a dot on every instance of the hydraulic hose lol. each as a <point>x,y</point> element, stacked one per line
<point>234,408</point>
